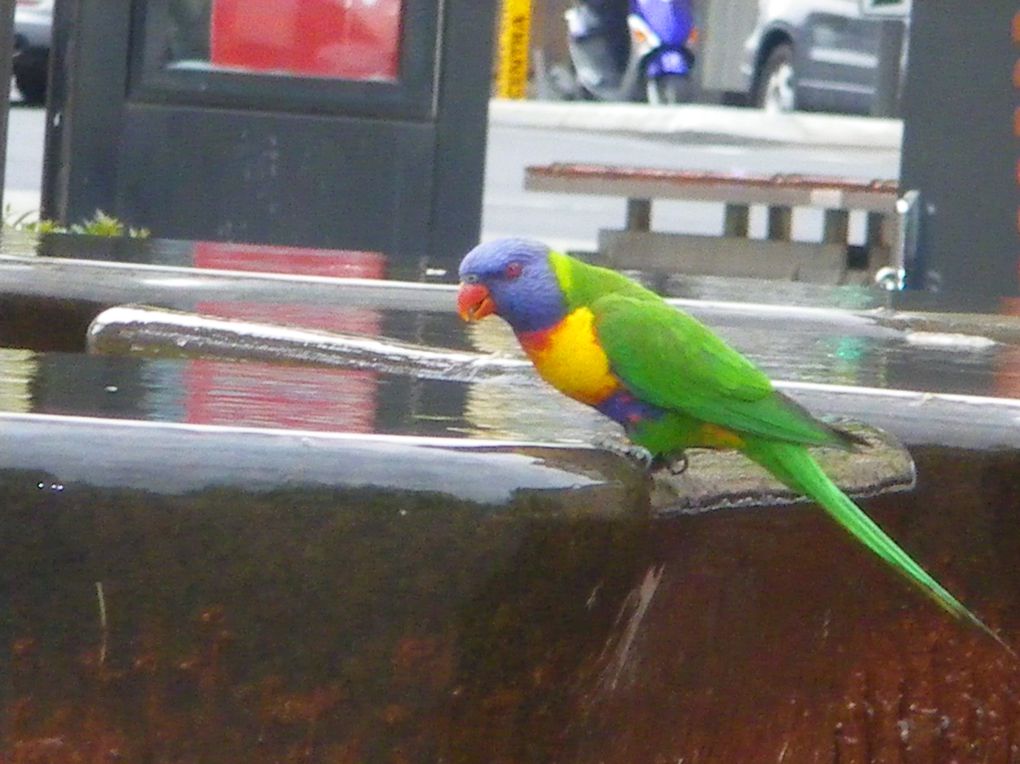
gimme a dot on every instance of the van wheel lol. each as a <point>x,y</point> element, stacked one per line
<point>775,89</point>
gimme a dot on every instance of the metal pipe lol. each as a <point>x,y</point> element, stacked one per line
<point>6,56</point>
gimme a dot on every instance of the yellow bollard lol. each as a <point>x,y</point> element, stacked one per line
<point>514,35</point>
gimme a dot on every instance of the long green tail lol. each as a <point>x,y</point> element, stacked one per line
<point>795,467</point>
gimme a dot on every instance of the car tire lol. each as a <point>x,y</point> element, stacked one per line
<point>775,87</point>
<point>32,85</point>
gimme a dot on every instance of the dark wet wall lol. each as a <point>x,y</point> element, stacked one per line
<point>772,638</point>
<point>365,625</point>
<point>297,625</point>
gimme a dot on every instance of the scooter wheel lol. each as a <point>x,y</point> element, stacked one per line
<point>670,89</point>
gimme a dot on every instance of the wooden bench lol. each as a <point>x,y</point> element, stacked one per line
<point>732,253</point>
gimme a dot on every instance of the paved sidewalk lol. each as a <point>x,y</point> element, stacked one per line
<point>723,124</point>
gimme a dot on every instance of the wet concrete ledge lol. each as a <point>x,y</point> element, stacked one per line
<point>173,458</point>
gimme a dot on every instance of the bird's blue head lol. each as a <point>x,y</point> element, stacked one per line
<point>514,279</point>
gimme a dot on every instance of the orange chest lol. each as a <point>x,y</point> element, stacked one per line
<point>569,357</point>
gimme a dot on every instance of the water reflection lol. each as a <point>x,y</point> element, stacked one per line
<point>202,391</point>
<point>220,256</point>
<point>516,405</point>
<point>515,409</point>
<point>18,369</point>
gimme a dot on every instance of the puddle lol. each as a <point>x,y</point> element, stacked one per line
<point>787,345</point>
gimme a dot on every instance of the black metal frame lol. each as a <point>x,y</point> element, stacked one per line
<point>960,149</point>
<point>6,52</point>
<point>411,96</point>
<point>371,165</point>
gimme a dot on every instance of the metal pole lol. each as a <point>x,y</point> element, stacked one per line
<point>901,269</point>
<point>514,36</point>
<point>890,75</point>
<point>6,54</point>
<point>53,204</point>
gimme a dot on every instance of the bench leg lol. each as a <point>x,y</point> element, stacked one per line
<point>780,223</point>
<point>735,222</point>
<point>880,239</point>
<point>837,226</point>
<point>639,214</point>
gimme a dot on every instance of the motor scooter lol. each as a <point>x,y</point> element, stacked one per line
<point>647,56</point>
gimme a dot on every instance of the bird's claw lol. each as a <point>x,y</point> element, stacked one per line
<point>642,456</point>
<point>676,464</point>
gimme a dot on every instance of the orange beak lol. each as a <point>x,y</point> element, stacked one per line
<point>474,302</point>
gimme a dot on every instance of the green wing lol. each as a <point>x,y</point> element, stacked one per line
<point>667,358</point>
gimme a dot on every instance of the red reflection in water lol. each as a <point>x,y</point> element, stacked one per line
<point>262,395</point>
<point>355,39</point>
<point>295,261</point>
<point>267,395</point>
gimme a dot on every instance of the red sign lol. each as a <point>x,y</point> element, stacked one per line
<point>348,39</point>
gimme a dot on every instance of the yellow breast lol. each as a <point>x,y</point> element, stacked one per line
<point>569,357</point>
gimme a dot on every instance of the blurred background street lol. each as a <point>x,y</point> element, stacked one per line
<point>578,98</point>
<point>568,221</point>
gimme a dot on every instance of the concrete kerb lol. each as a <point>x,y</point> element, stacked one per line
<point>702,122</point>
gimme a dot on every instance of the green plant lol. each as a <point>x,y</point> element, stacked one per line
<point>100,224</point>
<point>43,226</point>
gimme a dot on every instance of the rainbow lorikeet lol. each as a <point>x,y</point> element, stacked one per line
<point>606,341</point>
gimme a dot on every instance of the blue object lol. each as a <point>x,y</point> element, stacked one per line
<point>632,49</point>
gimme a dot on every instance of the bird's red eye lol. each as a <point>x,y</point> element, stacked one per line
<point>513,270</point>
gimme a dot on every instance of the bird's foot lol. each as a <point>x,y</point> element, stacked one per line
<point>642,456</point>
<point>677,464</point>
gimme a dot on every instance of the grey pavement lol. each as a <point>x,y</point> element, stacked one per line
<point>702,122</point>
<point>25,128</point>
